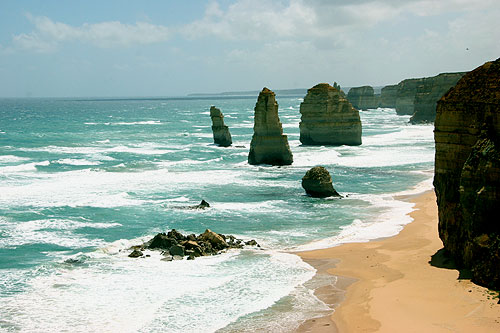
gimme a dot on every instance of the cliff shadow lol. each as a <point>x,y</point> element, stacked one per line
<point>441,259</point>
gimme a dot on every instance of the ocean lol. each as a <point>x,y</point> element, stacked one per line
<point>82,180</point>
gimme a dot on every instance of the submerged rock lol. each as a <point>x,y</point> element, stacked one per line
<point>220,131</point>
<point>135,254</point>
<point>327,118</point>
<point>269,145</point>
<point>363,98</point>
<point>467,172</point>
<point>318,183</point>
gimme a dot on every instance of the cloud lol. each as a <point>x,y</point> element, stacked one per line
<point>48,35</point>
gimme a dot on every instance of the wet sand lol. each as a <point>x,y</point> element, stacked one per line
<point>401,284</point>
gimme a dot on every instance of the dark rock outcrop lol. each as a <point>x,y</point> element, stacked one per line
<point>175,246</point>
<point>318,183</point>
<point>328,118</point>
<point>430,90</point>
<point>363,98</point>
<point>467,172</point>
<point>269,145</point>
<point>388,96</point>
<point>222,137</point>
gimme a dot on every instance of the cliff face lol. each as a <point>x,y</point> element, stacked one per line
<point>407,89</point>
<point>222,137</point>
<point>467,172</point>
<point>328,118</point>
<point>363,98</point>
<point>269,145</point>
<point>428,93</point>
<point>388,96</point>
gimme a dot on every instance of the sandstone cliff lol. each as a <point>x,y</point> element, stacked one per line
<point>328,118</point>
<point>222,137</point>
<point>363,98</point>
<point>428,93</point>
<point>388,96</point>
<point>407,89</point>
<point>269,145</point>
<point>467,172</point>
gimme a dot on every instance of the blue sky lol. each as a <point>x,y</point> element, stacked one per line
<point>168,48</point>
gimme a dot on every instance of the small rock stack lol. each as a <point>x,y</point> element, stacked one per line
<point>222,137</point>
<point>328,118</point>
<point>269,145</point>
<point>363,98</point>
<point>318,183</point>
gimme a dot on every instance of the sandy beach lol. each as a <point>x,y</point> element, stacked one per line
<point>390,285</point>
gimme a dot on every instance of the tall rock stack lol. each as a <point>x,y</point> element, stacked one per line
<point>467,172</point>
<point>328,118</point>
<point>363,98</point>
<point>222,137</point>
<point>269,145</point>
<point>388,96</point>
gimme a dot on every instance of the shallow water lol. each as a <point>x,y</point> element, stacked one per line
<point>86,179</point>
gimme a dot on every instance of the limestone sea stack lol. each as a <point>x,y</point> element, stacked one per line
<point>388,96</point>
<point>467,173</point>
<point>269,145</point>
<point>428,93</point>
<point>363,98</point>
<point>328,118</point>
<point>318,183</point>
<point>222,137</point>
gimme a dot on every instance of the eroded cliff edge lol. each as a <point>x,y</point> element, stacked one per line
<point>467,172</point>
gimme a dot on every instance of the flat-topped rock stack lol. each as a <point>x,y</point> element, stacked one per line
<point>222,137</point>
<point>269,145</point>
<point>467,173</point>
<point>363,98</point>
<point>429,92</point>
<point>328,118</point>
<point>388,96</point>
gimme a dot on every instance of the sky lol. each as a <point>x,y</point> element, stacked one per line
<point>172,48</point>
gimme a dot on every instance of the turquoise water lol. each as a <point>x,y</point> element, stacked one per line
<point>82,180</point>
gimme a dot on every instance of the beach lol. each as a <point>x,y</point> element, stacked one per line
<point>390,285</point>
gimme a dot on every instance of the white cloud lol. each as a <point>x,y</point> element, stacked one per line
<point>48,35</point>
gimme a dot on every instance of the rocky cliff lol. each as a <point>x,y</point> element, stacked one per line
<point>428,92</point>
<point>388,96</point>
<point>467,172</point>
<point>328,118</point>
<point>363,98</point>
<point>407,89</point>
<point>222,137</point>
<point>269,145</point>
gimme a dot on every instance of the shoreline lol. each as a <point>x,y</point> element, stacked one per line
<point>390,285</point>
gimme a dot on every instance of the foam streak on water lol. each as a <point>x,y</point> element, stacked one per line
<point>82,181</point>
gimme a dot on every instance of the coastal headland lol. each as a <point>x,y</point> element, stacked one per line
<point>401,284</point>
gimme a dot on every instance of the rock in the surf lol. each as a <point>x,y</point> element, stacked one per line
<point>220,131</point>
<point>328,118</point>
<point>269,145</point>
<point>318,183</point>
